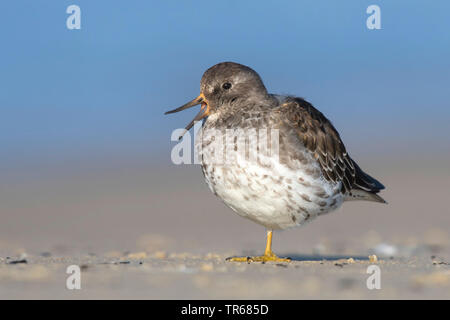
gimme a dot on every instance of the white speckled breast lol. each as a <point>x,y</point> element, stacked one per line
<point>276,193</point>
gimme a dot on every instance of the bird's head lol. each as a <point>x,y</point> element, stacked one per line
<point>225,85</point>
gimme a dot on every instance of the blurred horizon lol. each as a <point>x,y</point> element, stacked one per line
<point>104,88</point>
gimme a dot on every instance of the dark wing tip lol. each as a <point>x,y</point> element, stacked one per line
<point>320,136</point>
<point>366,182</point>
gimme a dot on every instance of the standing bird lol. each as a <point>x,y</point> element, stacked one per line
<point>309,174</point>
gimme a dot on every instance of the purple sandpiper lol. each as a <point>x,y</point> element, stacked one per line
<point>311,174</point>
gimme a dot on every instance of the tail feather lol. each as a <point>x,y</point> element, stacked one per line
<point>365,187</point>
<point>365,182</point>
<point>359,194</point>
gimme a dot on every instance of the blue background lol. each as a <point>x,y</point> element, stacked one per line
<point>100,92</point>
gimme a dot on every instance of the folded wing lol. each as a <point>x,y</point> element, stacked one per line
<point>320,137</point>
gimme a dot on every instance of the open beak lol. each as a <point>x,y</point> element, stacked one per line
<point>204,110</point>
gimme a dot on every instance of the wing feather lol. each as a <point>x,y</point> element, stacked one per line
<point>321,138</point>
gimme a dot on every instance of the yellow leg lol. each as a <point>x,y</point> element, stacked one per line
<point>268,254</point>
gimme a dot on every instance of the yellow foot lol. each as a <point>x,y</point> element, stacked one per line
<point>265,258</point>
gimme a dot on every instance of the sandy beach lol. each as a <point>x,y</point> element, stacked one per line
<point>209,277</point>
<point>161,234</point>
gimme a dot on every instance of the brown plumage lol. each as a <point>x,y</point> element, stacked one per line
<point>320,137</point>
<point>313,174</point>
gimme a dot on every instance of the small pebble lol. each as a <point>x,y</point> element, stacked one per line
<point>207,267</point>
<point>211,255</point>
<point>160,255</point>
<point>281,265</point>
<point>137,255</point>
<point>18,261</point>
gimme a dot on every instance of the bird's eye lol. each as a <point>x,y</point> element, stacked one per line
<point>226,85</point>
